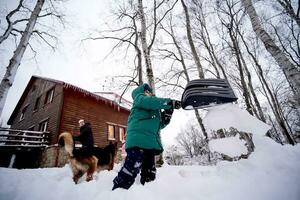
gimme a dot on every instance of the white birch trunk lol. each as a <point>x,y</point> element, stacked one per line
<point>146,52</point>
<point>191,42</point>
<point>289,70</point>
<point>15,61</point>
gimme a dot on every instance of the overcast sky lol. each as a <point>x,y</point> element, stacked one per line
<point>81,64</point>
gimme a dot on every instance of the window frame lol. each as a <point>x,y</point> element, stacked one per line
<point>23,112</point>
<point>108,132</point>
<point>41,123</point>
<point>122,136</point>
<point>50,93</point>
<point>36,104</point>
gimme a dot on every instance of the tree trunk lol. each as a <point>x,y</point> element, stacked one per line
<point>205,38</point>
<point>236,51</point>
<point>250,84</point>
<point>274,104</point>
<point>289,70</point>
<point>15,61</point>
<point>145,47</point>
<point>199,119</point>
<point>139,57</point>
<point>288,8</point>
<point>191,42</point>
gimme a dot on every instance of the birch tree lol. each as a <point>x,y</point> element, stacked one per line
<point>15,61</point>
<point>191,41</point>
<point>15,19</point>
<point>204,36</point>
<point>273,102</point>
<point>195,57</point>
<point>290,71</point>
<point>230,17</point>
<point>10,24</point>
<point>145,47</point>
<point>290,10</point>
<point>143,35</point>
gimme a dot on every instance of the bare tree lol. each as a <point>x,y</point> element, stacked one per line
<point>145,47</point>
<point>287,35</point>
<point>15,61</point>
<point>195,57</point>
<point>173,156</point>
<point>192,141</point>
<point>230,18</point>
<point>202,34</point>
<point>191,42</point>
<point>10,23</point>
<point>13,30</point>
<point>290,71</point>
<point>140,33</point>
<point>273,102</point>
<point>289,10</point>
<point>126,34</point>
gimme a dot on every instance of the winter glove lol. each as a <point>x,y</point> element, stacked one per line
<point>175,104</point>
<point>166,116</point>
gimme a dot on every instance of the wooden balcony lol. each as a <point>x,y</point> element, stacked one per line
<point>12,139</point>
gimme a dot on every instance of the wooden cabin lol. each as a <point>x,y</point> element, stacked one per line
<point>55,106</point>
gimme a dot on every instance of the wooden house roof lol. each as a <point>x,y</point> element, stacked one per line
<point>99,96</point>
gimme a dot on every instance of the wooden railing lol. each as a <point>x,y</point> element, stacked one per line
<point>12,138</point>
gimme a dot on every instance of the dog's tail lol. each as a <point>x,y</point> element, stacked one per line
<point>65,139</point>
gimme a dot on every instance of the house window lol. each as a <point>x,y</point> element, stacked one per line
<point>36,105</point>
<point>43,126</point>
<point>23,112</point>
<point>49,96</point>
<point>111,132</point>
<point>122,133</point>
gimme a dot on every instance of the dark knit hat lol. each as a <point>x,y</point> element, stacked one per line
<point>147,87</point>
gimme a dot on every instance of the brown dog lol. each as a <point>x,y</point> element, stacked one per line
<point>102,158</point>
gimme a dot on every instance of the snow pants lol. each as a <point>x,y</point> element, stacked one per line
<point>137,160</point>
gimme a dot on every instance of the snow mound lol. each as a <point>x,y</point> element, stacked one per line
<point>231,146</point>
<point>230,115</point>
<point>270,173</point>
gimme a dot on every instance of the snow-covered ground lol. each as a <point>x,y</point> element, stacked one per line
<point>271,173</point>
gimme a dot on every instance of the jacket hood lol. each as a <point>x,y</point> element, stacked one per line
<point>140,90</point>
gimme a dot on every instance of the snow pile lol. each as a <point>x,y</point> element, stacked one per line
<point>231,146</point>
<point>270,173</point>
<point>230,115</point>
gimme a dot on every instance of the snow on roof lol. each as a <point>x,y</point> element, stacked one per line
<point>115,98</point>
<point>125,105</point>
<point>104,96</point>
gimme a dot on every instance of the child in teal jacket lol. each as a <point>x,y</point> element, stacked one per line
<point>143,136</point>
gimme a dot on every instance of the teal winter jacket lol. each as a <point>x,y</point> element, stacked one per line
<point>144,122</point>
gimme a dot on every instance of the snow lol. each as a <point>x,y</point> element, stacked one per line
<point>115,98</point>
<point>270,173</point>
<point>231,146</point>
<point>230,115</point>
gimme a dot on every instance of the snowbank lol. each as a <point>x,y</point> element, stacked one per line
<point>232,146</point>
<point>230,115</point>
<point>270,173</point>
